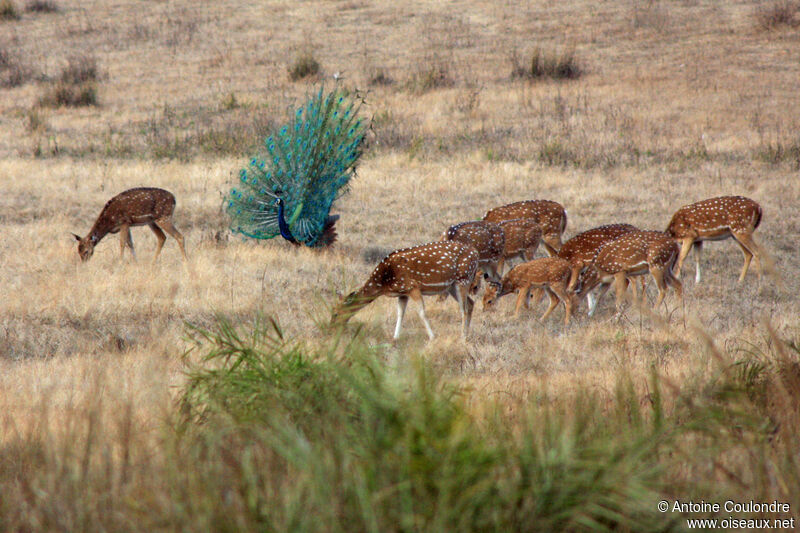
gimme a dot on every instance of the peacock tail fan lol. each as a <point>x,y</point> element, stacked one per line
<point>308,163</point>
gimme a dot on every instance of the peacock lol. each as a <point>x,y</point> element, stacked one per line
<point>306,166</point>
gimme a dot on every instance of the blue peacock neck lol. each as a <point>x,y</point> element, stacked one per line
<point>283,226</point>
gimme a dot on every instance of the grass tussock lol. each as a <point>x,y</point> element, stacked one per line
<point>69,95</point>
<point>547,65</point>
<point>8,10</point>
<point>284,429</point>
<point>777,14</point>
<point>42,6</point>
<point>431,74</point>
<point>304,65</point>
<point>13,71</point>
<point>76,85</point>
<point>775,153</point>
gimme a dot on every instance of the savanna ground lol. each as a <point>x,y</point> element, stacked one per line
<point>672,102</point>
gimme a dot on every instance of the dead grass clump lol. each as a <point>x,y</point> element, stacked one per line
<point>8,10</point>
<point>68,95</point>
<point>544,64</point>
<point>303,66</point>
<point>76,86</point>
<point>780,152</point>
<point>13,72</point>
<point>776,14</point>
<point>434,75</point>
<point>380,77</point>
<point>41,6</point>
<point>80,69</point>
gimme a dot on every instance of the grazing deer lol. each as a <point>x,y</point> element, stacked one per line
<point>522,239</point>
<point>432,268</point>
<point>549,273</point>
<point>551,216</point>
<point>632,254</point>
<point>716,219</point>
<point>486,237</point>
<point>581,249</point>
<point>134,207</point>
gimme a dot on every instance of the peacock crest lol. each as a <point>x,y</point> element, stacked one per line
<point>305,166</point>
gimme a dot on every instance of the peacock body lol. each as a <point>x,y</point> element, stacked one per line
<point>306,165</point>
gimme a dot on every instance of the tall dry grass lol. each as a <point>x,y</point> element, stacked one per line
<point>676,103</point>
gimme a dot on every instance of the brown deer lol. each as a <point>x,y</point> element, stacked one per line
<point>522,239</point>
<point>486,237</point>
<point>551,216</point>
<point>432,268</point>
<point>134,207</point>
<point>633,254</point>
<point>549,273</point>
<point>581,249</point>
<point>716,219</point>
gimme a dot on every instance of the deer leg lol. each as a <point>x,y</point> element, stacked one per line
<point>467,305</point>
<point>750,250</point>
<point>658,276</point>
<point>402,301</point>
<point>161,239</point>
<point>562,292</point>
<point>669,278</point>
<point>166,225</point>
<point>125,239</point>
<point>501,263</point>
<point>553,303</point>
<point>621,286</point>
<point>698,252</point>
<point>522,298</point>
<point>416,295</point>
<point>603,290</point>
<point>686,246</point>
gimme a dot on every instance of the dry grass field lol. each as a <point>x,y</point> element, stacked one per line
<point>676,101</point>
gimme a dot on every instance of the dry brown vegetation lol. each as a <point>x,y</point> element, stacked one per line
<point>676,102</point>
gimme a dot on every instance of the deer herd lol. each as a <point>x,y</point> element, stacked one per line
<point>471,252</point>
<point>613,253</point>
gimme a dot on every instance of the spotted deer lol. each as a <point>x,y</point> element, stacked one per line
<point>427,269</point>
<point>581,249</point>
<point>522,239</point>
<point>632,254</point>
<point>486,237</point>
<point>716,219</point>
<point>135,207</point>
<point>548,273</point>
<point>551,216</point>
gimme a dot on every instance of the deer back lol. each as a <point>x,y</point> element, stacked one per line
<point>486,237</point>
<point>715,217</point>
<point>520,234</point>
<point>431,268</point>
<point>135,207</point>
<point>540,271</point>
<point>551,216</point>
<point>581,249</point>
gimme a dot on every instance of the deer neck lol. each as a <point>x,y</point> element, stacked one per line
<point>354,302</point>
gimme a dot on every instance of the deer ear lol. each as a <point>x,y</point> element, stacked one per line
<point>77,237</point>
